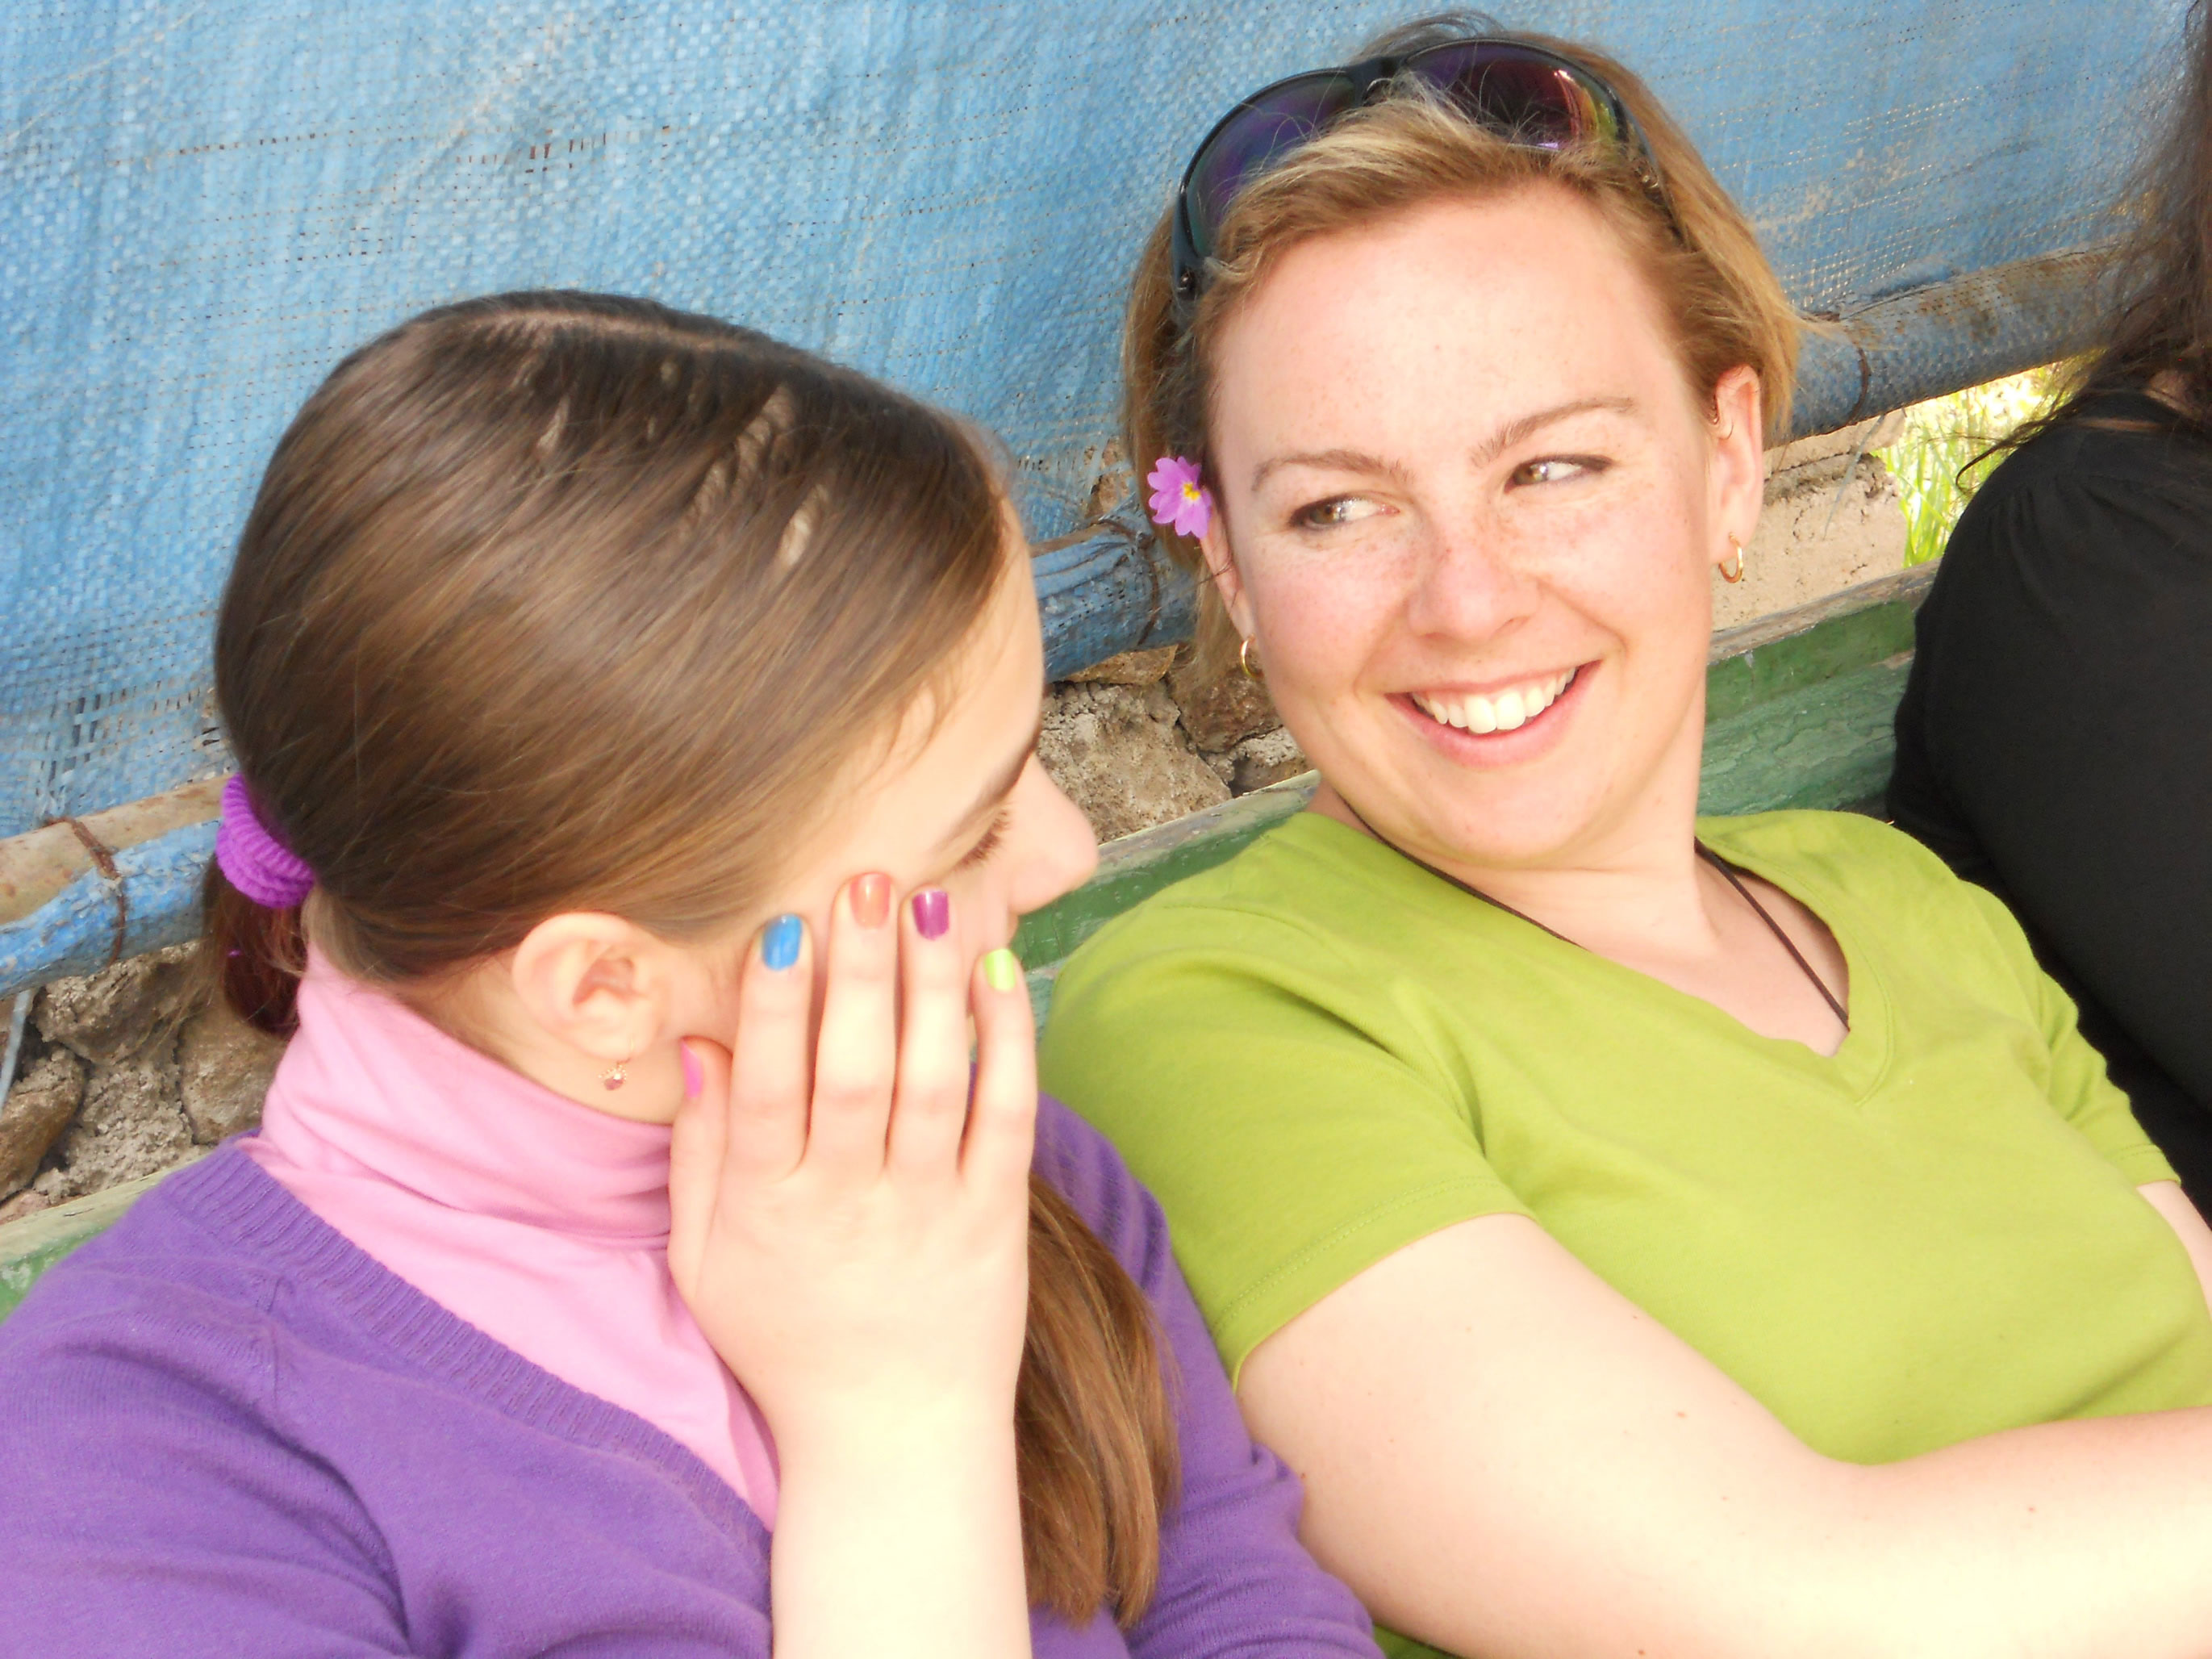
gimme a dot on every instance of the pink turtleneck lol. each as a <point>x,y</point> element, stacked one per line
<point>543,1223</point>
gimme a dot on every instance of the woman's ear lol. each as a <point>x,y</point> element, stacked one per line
<point>601,987</point>
<point>1739,475</point>
<point>1221,570</point>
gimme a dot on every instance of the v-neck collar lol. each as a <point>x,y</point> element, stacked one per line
<point>1859,1063</point>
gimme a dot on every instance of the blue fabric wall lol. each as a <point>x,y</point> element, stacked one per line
<point>202,205</point>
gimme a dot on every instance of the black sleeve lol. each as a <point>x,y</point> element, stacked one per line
<point>2054,745</point>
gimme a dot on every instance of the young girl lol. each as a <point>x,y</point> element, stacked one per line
<point>578,655</point>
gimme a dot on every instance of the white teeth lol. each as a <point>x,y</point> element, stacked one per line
<point>1507,711</point>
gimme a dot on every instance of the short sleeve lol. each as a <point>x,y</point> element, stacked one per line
<point>2079,1087</point>
<point>1294,1125</point>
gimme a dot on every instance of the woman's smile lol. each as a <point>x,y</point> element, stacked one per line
<point>1511,721</point>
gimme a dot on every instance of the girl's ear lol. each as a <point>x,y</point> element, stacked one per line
<point>601,988</point>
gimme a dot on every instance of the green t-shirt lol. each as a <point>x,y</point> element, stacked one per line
<point>1319,1053</point>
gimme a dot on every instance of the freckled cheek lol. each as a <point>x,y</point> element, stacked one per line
<point>1626,563</point>
<point>1319,623</point>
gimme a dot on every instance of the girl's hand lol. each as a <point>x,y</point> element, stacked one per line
<point>850,1230</point>
<point>849,1233</point>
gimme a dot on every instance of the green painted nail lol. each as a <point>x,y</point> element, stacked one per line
<point>1002,969</point>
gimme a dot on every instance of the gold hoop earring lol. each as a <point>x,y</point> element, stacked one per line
<point>1736,575</point>
<point>613,1077</point>
<point>1244,660</point>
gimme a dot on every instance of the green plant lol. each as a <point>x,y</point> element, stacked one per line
<point>1938,458</point>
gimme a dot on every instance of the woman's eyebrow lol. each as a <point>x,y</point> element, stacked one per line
<point>1513,432</point>
<point>1000,786</point>
<point>1331,460</point>
<point>1527,425</point>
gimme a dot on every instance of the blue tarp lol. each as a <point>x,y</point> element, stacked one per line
<point>202,205</point>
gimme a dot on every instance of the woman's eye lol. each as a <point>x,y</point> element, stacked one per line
<point>1336,510</point>
<point>1554,469</point>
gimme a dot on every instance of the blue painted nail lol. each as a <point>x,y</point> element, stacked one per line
<point>780,943</point>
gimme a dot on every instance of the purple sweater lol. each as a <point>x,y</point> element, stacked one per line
<point>228,1430</point>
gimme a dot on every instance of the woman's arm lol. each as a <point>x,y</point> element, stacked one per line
<point>2170,1201</point>
<point>1504,1457</point>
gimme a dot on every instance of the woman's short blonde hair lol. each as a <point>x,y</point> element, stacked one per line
<point>1692,244</point>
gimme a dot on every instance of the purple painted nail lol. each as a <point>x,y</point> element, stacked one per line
<point>932,912</point>
<point>693,1078</point>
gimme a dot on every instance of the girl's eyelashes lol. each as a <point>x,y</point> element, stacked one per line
<point>989,844</point>
<point>1559,468</point>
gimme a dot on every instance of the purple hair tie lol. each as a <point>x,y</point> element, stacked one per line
<point>253,860</point>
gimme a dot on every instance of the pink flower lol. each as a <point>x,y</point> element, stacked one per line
<point>1180,500</point>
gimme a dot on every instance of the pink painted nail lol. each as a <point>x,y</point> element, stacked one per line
<point>693,1078</point>
<point>932,912</point>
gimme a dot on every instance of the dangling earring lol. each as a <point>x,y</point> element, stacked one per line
<point>612,1077</point>
<point>1735,576</point>
<point>1244,660</point>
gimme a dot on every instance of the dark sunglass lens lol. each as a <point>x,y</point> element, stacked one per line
<point>1529,100</point>
<point>1253,139</point>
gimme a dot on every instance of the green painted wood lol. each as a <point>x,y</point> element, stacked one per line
<point>1840,645</point>
<point>1826,744</point>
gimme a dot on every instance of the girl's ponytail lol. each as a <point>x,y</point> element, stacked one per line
<point>1095,1431</point>
<point>256,954</point>
<point>255,888</point>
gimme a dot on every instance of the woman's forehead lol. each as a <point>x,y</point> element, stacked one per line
<point>1491,307</point>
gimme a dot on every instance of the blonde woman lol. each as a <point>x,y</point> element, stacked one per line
<point>1645,1235</point>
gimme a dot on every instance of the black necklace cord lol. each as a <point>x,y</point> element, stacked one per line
<point>1727,870</point>
<point>1774,928</point>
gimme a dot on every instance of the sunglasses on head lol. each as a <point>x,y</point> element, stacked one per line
<point>1521,92</point>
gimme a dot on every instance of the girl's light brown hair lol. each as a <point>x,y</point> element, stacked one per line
<point>554,602</point>
<point>1411,149</point>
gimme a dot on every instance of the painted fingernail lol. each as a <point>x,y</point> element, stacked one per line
<point>693,1078</point>
<point>780,943</point>
<point>932,912</point>
<point>1002,969</point>
<point>872,900</point>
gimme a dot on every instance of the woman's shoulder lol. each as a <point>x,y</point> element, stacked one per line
<point>1854,855</point>
<point>2125,434</point>
<point>1889,885</point>
<point>1308,886</point>
<point>2111,461</point>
